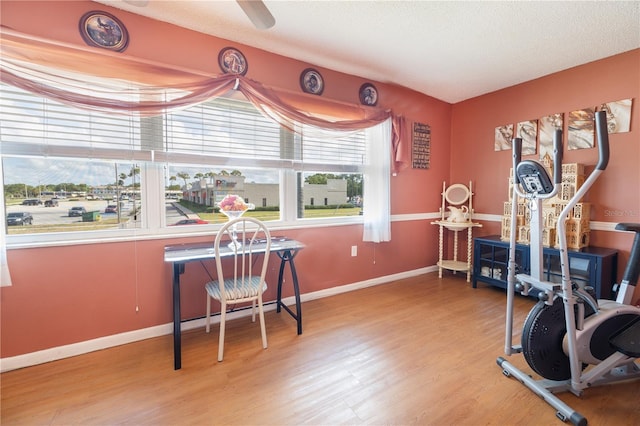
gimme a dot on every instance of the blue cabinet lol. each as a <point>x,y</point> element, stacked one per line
<point>593,266</point>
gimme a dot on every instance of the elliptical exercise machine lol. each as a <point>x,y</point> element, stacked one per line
<point>570,339</point>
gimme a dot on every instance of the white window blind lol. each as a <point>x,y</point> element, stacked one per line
<point>213,132</point>
<point>235,129</point>
<point>223,127</point>
<point>30,124</point>
<point>338,149</point>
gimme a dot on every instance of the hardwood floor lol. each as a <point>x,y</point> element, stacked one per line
<point>420,351</point>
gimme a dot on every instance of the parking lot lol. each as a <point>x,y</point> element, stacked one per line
<point>59,214</point>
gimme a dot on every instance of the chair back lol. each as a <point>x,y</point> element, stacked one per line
<point>242,254</point>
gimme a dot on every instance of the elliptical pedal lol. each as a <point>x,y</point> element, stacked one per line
<point>627,340</point>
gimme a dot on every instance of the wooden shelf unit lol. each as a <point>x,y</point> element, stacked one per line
<point>456,197</point>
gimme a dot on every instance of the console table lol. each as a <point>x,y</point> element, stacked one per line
<point>181,254</point>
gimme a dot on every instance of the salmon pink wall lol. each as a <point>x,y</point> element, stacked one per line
<point>616,195</point>
<point>67,294</point>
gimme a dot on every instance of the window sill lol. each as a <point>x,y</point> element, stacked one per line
<point>114,236</point>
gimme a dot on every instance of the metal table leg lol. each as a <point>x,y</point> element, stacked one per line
<point>286,257</point>
<point>178,268</point>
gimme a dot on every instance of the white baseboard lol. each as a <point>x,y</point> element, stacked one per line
<point>66,351</point>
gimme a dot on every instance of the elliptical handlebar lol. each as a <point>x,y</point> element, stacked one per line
<point>561,229</point>
<point>602,134</point>
<point>517,157</point>
<point>557,156</point>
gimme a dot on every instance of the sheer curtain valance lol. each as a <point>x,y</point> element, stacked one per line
<point>122,84</point>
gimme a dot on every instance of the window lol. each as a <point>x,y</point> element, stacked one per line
<point>121,172</point>
<point>72,195</point>
<point>202,187</point>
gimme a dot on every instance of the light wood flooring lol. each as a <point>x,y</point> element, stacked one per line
<point>420,351</point>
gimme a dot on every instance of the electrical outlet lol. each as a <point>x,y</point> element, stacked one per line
<point>354,251</point>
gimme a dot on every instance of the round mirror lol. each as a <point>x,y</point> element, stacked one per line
<point>456,194</point>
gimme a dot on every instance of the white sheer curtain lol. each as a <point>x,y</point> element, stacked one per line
<point>377,185</point>
<point>5,277</point>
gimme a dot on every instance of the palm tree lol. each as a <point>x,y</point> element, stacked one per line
<point>184,176</point>
<point>135,170</point>
<point>119,183</point>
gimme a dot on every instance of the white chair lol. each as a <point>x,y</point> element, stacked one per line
<point>242,254</point>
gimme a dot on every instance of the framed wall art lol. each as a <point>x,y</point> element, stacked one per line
<point>502,137</point>
<point>102,29</point>
<point>421,146</point>
<point>547,127</point>
<point>528,132</point>
<point>618,115</point>
<point>581,129</point>
<point>232,61</point>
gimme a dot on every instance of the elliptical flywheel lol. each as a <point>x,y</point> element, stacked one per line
<point>542,334</point>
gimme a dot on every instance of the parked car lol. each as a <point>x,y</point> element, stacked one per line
<point>111,208</point>
<point>191,222</point>
<point>51,203</point>
<point>77,211</point>
<point>19,218</point>
<point>31,202</point>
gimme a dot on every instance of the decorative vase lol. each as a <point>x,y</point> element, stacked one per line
<point>233,207</point>
<point>234,214</point>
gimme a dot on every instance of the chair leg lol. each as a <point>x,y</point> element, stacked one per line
<point>223,314</point>
<point>208,319</point>
<point>253,310</point>
<point>263,329</point>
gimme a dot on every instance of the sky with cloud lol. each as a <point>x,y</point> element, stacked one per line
<point>51,171</point>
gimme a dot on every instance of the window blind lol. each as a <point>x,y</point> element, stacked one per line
<point>224,128</point>
<point>219,131</point>
<point>32,125</point>
<point>235,129</point>
<point>336,149</point>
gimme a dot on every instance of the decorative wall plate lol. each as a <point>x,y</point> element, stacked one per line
<point>232,61</point>
<point>311,81</point>
<point>368,94</point>
<point>102,29</point>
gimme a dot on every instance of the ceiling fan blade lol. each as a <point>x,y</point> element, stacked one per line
<point>140,3</point>
<point>258,13</point>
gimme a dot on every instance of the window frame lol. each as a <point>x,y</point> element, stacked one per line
<point>152,167</point>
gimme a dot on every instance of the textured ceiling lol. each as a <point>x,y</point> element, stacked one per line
<point>449,50</point>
